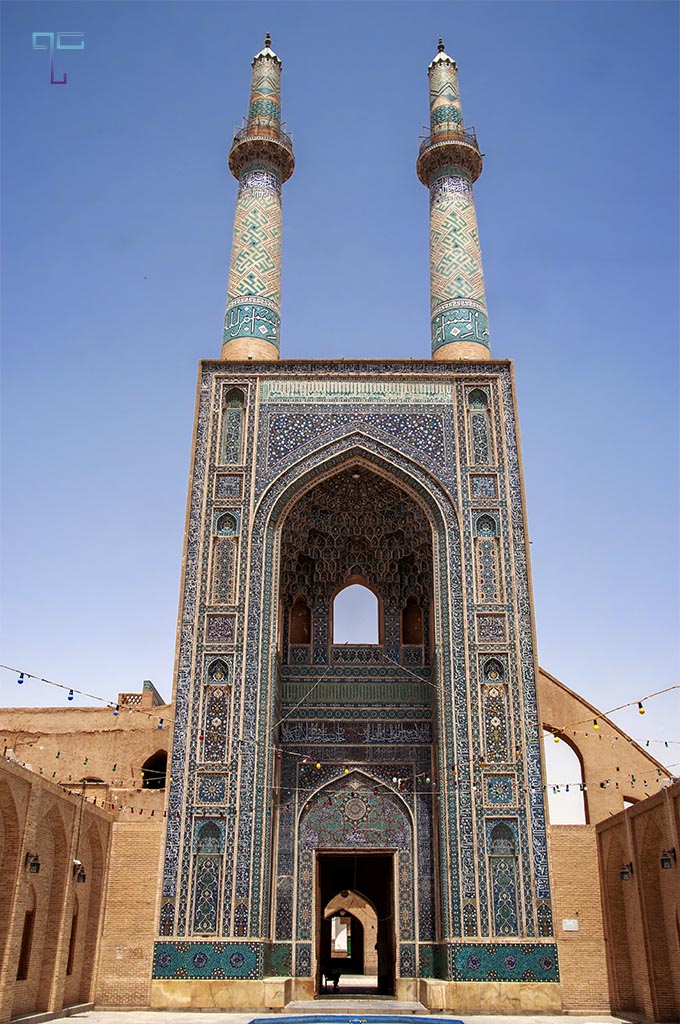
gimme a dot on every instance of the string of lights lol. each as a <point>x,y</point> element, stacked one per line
<point>306,759</point>
<point>640,704</point>
<point>423,778</point>
<point>115,706</point>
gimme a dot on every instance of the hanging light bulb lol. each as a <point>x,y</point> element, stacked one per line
<point>21,678</point>
<point>556,739</point>
<point>116,710</point>
<point>160,724</point>
<point>641,710</point>
<point>595,724</point>
<point>318,764</point>
<point>70,695</point>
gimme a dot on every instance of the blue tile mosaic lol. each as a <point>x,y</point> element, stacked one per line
<point>207,960</point>
<point>418,433</point>
<point>503,962</point>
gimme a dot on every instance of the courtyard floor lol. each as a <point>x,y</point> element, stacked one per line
<point>353,1006</point>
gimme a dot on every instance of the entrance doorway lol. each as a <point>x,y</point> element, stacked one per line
<point>355,935</point>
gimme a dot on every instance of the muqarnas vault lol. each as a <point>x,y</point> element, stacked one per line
<point>393,789</point>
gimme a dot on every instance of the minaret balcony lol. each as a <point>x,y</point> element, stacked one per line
<point>449,146</point>
<point>262,139</point>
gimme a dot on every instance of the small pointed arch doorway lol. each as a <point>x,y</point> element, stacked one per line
<point>349,940</point>
<point>357,955</point>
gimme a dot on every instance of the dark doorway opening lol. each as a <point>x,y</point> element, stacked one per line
<point>341,877</point>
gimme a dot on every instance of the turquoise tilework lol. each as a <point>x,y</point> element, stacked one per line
<point>207,960</point>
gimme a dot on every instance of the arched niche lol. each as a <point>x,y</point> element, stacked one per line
<point>412,623</point>
<point>154,770</point>
<point>300,621</point>
<point>356,545</point>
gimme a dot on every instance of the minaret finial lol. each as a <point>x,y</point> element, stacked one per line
<point>448,163</point>
<point>261,158</point>
<point>440,45</point>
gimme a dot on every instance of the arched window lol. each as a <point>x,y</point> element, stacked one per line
<point>356,616</point>
<point>207,876</point>
<point>154,770</point>
<point>503,868</point>
<point>300,625</point>
<point>231,440</point>
<point>412,622</point>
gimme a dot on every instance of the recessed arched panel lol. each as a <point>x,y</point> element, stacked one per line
<point>231,436</point>
<point>300,622</point>
<point>412,622</point>
<point>503,878</point>
<point>207,879</point>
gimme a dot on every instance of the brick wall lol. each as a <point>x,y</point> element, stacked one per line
<point>39,818</point>
<point>576,889</point>
<point>642,911</point>
<point>126,946</point>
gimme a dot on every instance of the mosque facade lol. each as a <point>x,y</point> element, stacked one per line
<point>405,773</point>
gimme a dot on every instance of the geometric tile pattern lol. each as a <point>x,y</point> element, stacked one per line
<point>445,110</point>
<point>499,790</point>
<point>207,960</point>
<point>255,268</point>
<point>455,260</point>
<point>265,90</point>
<point>524,961</point>
<point>457,300</point>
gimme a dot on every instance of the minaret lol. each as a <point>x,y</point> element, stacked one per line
<point>261,158</point>
<point>448,163</point>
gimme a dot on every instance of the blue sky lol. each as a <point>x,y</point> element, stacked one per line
<point>116,229</point>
